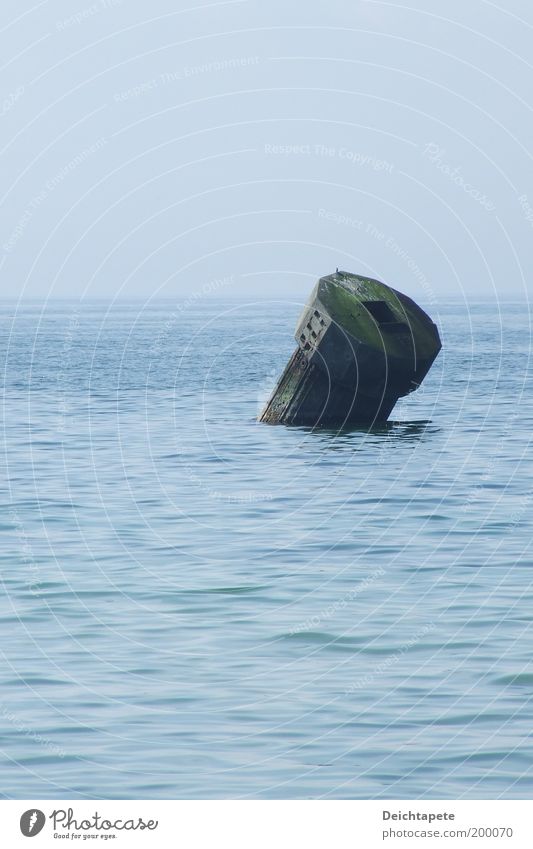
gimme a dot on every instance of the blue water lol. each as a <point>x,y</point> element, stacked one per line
<point>199,606</point>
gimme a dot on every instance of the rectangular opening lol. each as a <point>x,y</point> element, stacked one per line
<point>380,311</point>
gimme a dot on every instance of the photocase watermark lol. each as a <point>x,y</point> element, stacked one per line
<point>518,514</point>
<point>250,497</point>
<point>490,466</point>
<point>354,157</point>
<point>22,728</point>
<point>33,582</point>
<point>63,407</point>
<point>526,209</point>
<point>332,609</point>
<point>391,659</point>
<point>386,444</point>
<point>89,12</point>
<point>66,824</point>
<point>389,243</point>
<point>515,518</point>
<point>436,155</point>
<point>204,291</point>
<point>344,220</point>
<point>37,200</point>
<point>245,497</point>
<point>32,822</point>
<point>170,77</point>
<point>8,102</point>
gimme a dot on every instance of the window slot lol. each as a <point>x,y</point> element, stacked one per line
<point>380,311</point>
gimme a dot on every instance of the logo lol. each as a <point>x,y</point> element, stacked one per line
<point>32,822</point>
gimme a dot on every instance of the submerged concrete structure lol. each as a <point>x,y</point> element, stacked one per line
<point>361,346</point>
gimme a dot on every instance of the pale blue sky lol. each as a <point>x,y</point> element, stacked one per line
<point>151,149</point>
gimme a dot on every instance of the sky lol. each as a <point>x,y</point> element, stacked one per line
<point>246,148</point>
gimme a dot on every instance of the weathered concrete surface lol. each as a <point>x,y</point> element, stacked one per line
<point>361,346</point>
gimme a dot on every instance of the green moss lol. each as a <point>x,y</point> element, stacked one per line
<point>343,302</point>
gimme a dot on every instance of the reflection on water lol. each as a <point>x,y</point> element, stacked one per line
<point>388,429</point>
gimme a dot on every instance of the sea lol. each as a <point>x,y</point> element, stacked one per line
<point>199,606</point>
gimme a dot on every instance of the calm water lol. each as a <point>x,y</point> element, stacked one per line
<point>196,605</point>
